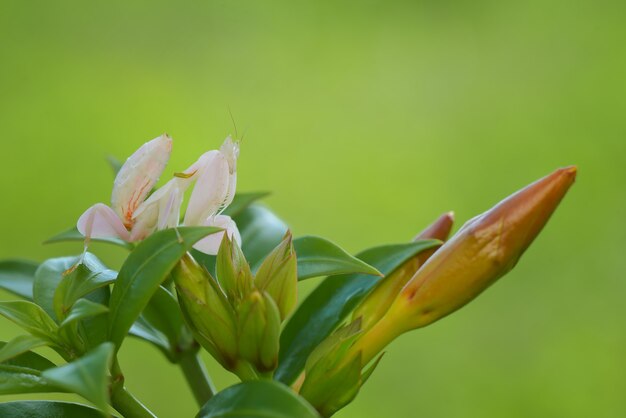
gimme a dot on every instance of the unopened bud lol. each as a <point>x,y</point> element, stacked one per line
<point>485,249</point>
<point>378,301</point>
<point>206,310</point>
<point>259,331</point>
<point>278,276</point>
<point>333,374</point>
<point>233,271</point>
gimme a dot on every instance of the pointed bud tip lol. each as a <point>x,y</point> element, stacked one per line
<point>440,229</point>
<point>570,171</point>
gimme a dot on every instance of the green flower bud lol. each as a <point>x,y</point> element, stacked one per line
<point>206,310</point>
<point>259,331</point>
<point>377,302</point>
<point>278,276</point>
<point>233,271</point>
<point>333,373</point>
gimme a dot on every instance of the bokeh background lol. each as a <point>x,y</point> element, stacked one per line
<point>366,119</point>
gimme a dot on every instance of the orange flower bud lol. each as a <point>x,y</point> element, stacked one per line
<point>375,305</point>
<point>486,248</point>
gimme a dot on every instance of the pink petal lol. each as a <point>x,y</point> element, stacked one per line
<point>138,175</point>
<point>100,221</point>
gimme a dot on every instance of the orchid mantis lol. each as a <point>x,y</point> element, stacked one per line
<point>134,213</point>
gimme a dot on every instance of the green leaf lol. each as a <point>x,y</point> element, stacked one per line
<point>261,231</point>
<point>161,324</point>
<point>28,360</point>
<point>320,257</point>
<point>30,317</point>
<point>20,345</point>
<point>82,309</point>
<point>72,234</point>
<point>47,278</point>
<point>256,399</point>
<point>87,278</point>
<point>19,380</point>
<point>143,272</point>
<point>87,376</point>
<point>22,374</point>
<point>326,307</point>
<point>243,201</point>
<point>16,276</point>
<point>47,409</point>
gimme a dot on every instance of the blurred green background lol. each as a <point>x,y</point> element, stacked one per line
<point>366,119</point>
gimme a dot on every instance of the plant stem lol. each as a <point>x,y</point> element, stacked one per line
<point>197,378</point>
<point>127,405</point>
<point>245,371</point>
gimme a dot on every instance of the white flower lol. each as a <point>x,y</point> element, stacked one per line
<point>132,217</point>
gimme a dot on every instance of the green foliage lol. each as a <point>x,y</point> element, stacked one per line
<point>143,272</point>
<point>16,276</point>
<point>255,399</point>
<point>87,376</point>
<point>47,409</point>
<point>327,306</point>
<point>320,257</point>
<point>20,345</point>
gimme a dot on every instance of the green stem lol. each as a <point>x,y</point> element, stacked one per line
<point>127,405</point>
<point>245,371</point>
<point>197,378</point>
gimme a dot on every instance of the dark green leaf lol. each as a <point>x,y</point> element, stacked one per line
<point>82,309</point>
<point>72,234</point>
<point>87,376</point>
<point>327,306</point>
<point>161,324</point>
<point>16,276</point>
<point>18,380</point>
<point>28,360</point>
<point>256,399</point>
<point>47,278</point>
<point>20,345</point>
<point>320,257</point>
<point>143,272</point>
<point>30,317</point>
<point>47,409</point>
<point>242,201</point>
<point>87,278</point>
<point>261,231</point>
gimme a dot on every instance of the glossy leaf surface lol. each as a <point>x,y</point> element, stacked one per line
<point>255,399</point>
<point>47,409</point>
<point>87,376</point>
<point>320,257</point>
<point>16,276</point>
<point>326,307</point>
<point>143,272</point>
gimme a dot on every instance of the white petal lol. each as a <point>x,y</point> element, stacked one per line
<point>138,175</point>
<point>161,210</point>
<point>211,244</point>
<point>100,221</point>
<point>211,190</point>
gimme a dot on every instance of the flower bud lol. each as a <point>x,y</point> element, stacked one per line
<point>377,302</point>
<point>278,276</point>
<point>206,310</point>
<point>259,331</point>
<point>233,271</point>
<point>485,249</point>
<point>333,374</point>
